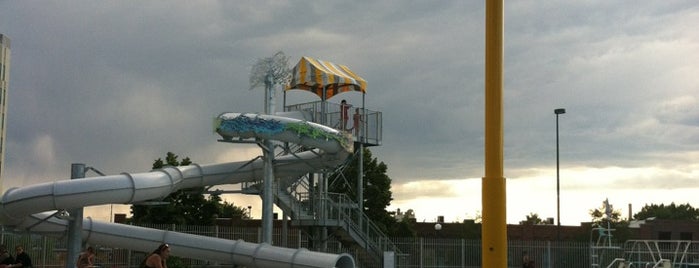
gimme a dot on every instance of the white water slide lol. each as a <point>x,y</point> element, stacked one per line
<point>33,208</point>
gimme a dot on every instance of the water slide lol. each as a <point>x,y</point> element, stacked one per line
<point>35,208</point>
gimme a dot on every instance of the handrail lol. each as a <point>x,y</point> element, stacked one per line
<point>340,207</point>
<point>368,228</point>
<point>334,207</point>
<point>614,262</point>
<point>679,252</point>
<point>371,130</point>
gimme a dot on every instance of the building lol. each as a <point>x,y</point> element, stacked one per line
<point>659,229</point>
<point>4,83</point>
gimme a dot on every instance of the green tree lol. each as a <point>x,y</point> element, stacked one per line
<point>532,219</point>
<point>670,212</point>
<point>608,217</point>
<point>230,210</point>
<point>185,206</point>
<point>605,213</point>
<point>377,194</point>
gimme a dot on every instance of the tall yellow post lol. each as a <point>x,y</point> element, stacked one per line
<point>494,240</point>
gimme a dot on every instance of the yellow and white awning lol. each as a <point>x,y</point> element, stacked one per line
<point>326,77</point>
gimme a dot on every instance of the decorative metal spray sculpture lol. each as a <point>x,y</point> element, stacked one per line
<point>269,72</point>
<point>272,70</point>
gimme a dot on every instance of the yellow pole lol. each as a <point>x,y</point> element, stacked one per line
<point>494,240</point>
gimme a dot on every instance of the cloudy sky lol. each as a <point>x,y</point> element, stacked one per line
<point>117,84</point>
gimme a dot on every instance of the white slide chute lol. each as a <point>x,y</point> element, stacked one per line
<point>33,208</point>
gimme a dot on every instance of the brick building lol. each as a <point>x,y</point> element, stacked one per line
<point>652,229</point>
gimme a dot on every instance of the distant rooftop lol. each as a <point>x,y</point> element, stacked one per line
<point>5,40</point>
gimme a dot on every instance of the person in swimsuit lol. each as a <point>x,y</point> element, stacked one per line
<point>86,258</point>
<point>344,113</point>
<point>357,118</point>
<point>157,258</point>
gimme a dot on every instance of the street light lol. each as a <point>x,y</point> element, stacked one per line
<point>558,178</point>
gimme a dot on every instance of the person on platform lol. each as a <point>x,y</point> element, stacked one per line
<point>357,119</point>
<point>344,113</point>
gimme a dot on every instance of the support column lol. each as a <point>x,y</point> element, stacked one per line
<point>268,180</point>
<point>360,184</point>
<point>285,230</point>
<point>267,194</point>
<point>494,238</point>
<point>75,224</point>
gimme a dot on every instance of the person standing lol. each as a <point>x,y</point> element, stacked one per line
<point>22,259</point>
<point>157,258</point>
<point>86,258</point>
<point>344,113</point>
<point>357,118</point>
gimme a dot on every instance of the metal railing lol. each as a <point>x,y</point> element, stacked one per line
<point>334,209</point>
<point>414,252</point>
<point>680,253</point>
<point>450,252</point>
<point>370,126</point>
<point>51,252</point>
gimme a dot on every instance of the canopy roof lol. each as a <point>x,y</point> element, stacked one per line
<point>318,76</point>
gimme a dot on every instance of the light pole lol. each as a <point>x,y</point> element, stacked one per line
<point>558,178</point>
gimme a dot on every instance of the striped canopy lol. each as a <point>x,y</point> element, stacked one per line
<point>318,76</point>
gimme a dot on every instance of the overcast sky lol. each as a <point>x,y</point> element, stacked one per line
<point>117,84</point>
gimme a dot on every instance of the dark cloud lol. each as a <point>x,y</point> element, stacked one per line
<point>119,83</point>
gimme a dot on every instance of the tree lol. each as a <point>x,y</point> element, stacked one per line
<point>607,217</point>
<point>604,214</point>
<point>532,219</point>
<point>670,212</point>
<point>377,193</point>
<point>230,210</point>
<point>185,206</point>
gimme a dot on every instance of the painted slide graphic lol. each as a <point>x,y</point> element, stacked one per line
<point>33,208</point>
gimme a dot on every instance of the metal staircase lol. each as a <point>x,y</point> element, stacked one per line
<point>336,211</point>
<point>333,210</point>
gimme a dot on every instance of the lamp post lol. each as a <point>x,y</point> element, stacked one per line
<point>558,178</point>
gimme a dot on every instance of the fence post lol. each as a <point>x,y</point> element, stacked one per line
<point>548,254</point>
<point>422,256</point>
<point>463,252</point>
<point>44,249</point>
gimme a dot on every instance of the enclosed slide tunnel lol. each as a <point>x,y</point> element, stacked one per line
<point>33,208</point>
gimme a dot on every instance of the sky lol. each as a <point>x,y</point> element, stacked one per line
<point>117,84</point>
